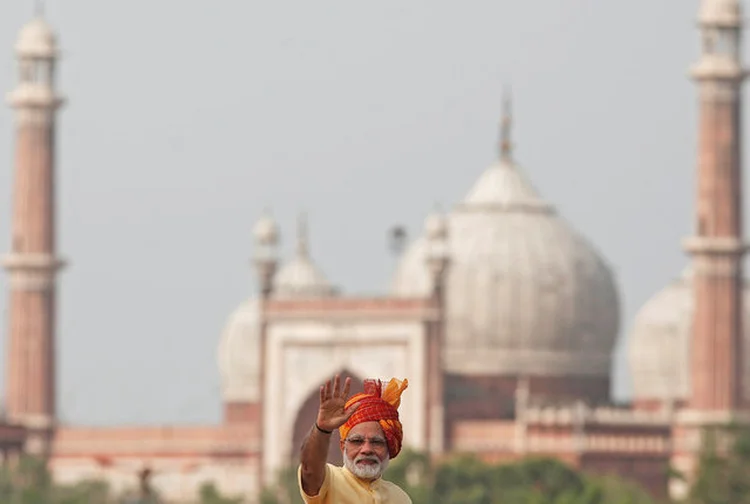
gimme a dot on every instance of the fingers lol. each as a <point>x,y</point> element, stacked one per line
<point>336,386</point>
<point>347,386</point>
<point>325,391</point>
<point>350,410</point>
<point>329,391</point>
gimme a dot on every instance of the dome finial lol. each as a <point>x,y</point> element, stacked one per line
<point>506,145</point>
<point>302,235</point>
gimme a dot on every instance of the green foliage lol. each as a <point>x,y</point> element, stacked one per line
<point>531,481</point>
<point>613,490</point>
<point>29,482</point>
<point>209,494</point>
<point>463,479</point>
<point>286,491</point>
<point>412,471</point>
<point>723,475</point>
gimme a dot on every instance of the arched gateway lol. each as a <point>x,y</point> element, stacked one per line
<point>301,355</point>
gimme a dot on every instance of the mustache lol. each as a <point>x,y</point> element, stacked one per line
<point>366,458</point>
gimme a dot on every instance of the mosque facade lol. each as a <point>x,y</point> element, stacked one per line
<point>503,317</point>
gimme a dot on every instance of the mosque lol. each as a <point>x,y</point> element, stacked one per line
<point>503,317</point>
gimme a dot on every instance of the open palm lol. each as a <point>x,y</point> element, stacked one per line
<point>332,413</point>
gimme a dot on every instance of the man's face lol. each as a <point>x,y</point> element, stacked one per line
<point>366,451</point>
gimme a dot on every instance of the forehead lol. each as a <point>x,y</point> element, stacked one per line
<point>367,429</point>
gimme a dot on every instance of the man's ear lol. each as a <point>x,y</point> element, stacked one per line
<point>341,444</point>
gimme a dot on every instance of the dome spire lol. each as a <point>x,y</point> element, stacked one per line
<point>302,235</point>
<point>300,278</point>
<point>506,144</point>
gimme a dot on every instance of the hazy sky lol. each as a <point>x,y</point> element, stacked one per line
<point>186,118</point>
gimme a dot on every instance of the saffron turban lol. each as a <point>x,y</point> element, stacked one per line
<point>379,405</point>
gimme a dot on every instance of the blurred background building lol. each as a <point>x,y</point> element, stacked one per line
<point>502,316</point>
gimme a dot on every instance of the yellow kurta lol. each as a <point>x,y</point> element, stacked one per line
<point>342,487</point>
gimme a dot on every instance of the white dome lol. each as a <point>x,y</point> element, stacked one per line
<point>37,40</point>
<point>300,278</point>
<point>660,342</point>
<point>239,354</point>
<point>721,12</point>
<point>525,292</point>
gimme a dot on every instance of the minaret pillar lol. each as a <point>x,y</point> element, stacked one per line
<point>717,247</point>
<point>266,263</point>
<point>33,263</point>
<point>438,261</point>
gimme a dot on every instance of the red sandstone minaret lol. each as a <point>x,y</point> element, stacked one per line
<point>717,247</point>
<point>33,264</point>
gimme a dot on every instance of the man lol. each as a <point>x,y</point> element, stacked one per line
<point>371,436</point>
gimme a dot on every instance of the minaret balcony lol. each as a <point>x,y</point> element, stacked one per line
<point>718,67</point>
<point>33,95</point>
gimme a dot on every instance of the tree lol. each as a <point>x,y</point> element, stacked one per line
<point>28,482</point>
<point>723,475</point>
<point>285,491</point>
<point>614,490</point>
<point>209,494</point>
<point>412,471</point>
<point>464,477</point>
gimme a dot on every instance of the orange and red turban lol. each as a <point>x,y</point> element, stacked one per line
<point>379,405</point>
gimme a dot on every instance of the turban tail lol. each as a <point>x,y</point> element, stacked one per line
<point>378,405</point>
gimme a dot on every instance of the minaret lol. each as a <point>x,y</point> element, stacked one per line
<point>266,260</point>
<point>437,232</point>
<point>717,248</point>
<point>33,263</point>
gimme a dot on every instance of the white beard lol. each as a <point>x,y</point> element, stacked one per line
<point>368,471</point>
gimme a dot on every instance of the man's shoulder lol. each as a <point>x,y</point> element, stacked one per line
<point>397,493</point>
<point>334,470</point>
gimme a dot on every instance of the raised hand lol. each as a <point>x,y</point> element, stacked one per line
<point>332,414</point>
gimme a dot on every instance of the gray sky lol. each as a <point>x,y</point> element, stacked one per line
<point>187,117</point>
